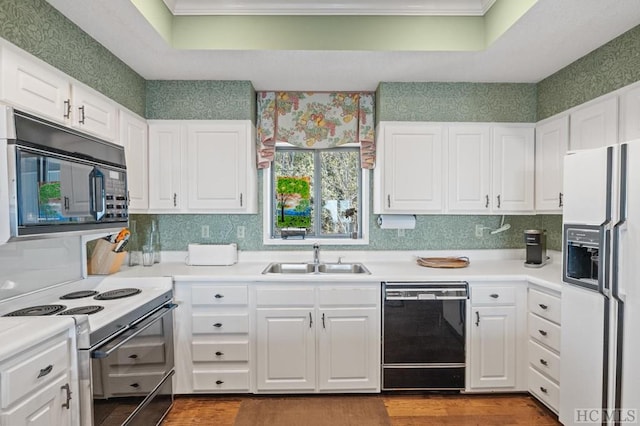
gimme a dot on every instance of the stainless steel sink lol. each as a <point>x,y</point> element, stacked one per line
<point>342,268</point>
<point>311,268</point>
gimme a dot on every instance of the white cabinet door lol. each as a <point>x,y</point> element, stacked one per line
<point>33,87</point>
<point>469,169</point>
<point>411,169</point>
<point>594,125</point>
<point>93,113</point>
<point>165,167</point>
<point>43,408</point>
<point>348,349</point>
<point>286,349</point>
<point>552,143</point>
<point>134,138</point>
<point>513,169</point>
<point>493,347</point>
<point>217,166</point>
<point>630,115</point>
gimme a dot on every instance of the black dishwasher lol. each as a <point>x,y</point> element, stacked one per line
<point>423,335</point>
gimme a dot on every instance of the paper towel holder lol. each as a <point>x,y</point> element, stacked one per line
<point>397,221</point>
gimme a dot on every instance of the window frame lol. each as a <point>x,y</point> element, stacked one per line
<point>267,210</point>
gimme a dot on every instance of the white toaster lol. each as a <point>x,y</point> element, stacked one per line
<point>212,254</point>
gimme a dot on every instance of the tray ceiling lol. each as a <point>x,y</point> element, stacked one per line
<point>345,7</point>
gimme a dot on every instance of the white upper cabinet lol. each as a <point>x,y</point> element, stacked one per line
<point>202,167</point>
<point>31,85</point>
<point>34,88</point>
<point>218,160</point>
<point>630,115</point>
<point>469,168</point>
<point>93,113</point>
<point>134,138</point>
<point>594,125</point>
<point>552,143</point>
<point>491,169</point>
<point>513,169</point>
<point>165,167</point>
<point>409,173</point>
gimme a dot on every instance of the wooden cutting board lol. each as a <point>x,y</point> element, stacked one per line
<point>443,262</point>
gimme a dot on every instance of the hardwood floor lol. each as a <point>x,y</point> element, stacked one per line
<point>403,410</point>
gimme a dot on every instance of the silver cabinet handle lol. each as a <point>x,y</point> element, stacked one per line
<point>323,324</point>
<point>486,204</point>
<point>48,369</point>
<point>241,199</point>
<point>67,108</point>
<point>498,201</point>
<point>388,201</point>
<point>560,202</point>
<point>175,199</point>
<point>67,404</point>
<point>477,319</point>
<point>494,295</point>
<point>310,320</point>
<point>81,109</point>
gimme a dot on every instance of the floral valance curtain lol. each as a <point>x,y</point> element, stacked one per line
<point>315,120</point>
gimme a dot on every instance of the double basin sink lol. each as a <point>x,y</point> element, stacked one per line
<point>315,268</point>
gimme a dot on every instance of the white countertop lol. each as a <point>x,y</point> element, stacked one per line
<point>19,333</point>
<point>484,266</point>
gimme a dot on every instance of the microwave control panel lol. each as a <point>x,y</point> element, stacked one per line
<point>117,203</point>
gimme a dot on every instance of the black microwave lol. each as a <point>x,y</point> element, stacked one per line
<point>62,180</point>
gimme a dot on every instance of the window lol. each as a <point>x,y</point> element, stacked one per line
<point>316,194</point>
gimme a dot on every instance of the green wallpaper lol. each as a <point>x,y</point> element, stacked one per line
<point>610,67</point>
<point>38,28</point>
<point>432,232</point>
<point>489,102</point>
<point>200,100</point>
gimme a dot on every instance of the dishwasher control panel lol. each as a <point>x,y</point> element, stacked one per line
<point>426,290</point>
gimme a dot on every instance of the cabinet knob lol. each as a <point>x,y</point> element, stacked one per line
<point>219,353</point>
<point>219,382</point>
<point>543,362</point>
<point>543,306</point>
<point>494,295</point>
<point>544,390</point>
<point>219,296</point>
<point>133,356</point>
<point>135,385</point>
<point>217,325</point>
<point>544,333</point>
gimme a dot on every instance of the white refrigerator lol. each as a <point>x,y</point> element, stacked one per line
<point>600,323</point>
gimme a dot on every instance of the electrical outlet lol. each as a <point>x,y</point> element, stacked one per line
<point>479,231</point>
<point>400,233</point>
<point>240,232</point>
<point>204,231</point>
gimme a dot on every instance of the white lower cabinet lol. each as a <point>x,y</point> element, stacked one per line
<point>544,346</point>
<point>315,338</point>
<point>213,348</point>
<point>497,342</point>
<point>39,383</point>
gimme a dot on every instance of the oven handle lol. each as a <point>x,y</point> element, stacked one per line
<point>133,331</point>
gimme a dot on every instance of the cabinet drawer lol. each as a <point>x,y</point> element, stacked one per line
<point>493,295</point>
<point>545,305</point>
<point>133,384</point>
<point>289,296</point>
<point>219,295</point>
<point>544,389</point>
<point>544,360</point>
<point>220,351</point>
<point>31,374</point>
<point>221,380</point>
<point>544,331</point>
<point>349,296</point>
<point>139,354</point>
<point>220,323</point>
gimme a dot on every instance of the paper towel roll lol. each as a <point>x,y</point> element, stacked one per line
<point>397,221</point>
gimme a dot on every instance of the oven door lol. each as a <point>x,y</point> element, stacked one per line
<point>132,373</point>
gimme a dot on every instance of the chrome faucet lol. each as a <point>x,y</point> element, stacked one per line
<point>316,254</point>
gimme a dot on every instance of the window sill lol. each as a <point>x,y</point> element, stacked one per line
<point>321,241</point>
